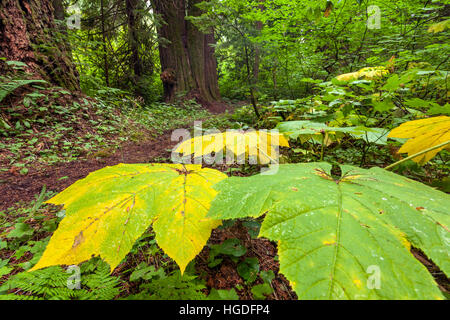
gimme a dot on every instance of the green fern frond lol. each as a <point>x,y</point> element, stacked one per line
<point>52,284</point>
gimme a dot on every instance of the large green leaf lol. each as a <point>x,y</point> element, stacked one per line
<point>111,208</point>
<point>332,234</point>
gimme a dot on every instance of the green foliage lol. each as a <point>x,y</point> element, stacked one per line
<point>145,272</point>
<point>161,117</point>
<point>291,41</point>
<point>248,269</point>
<point>230,247</point>
<point>223,295</point>
<point>261,290</point>
<point>102,54</point>
<point>313,130</point>
<point>21,230</point>
<point>49,124</point>
<point>171,287</point>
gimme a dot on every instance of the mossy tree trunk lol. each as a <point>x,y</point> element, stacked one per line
<point>28,33</point>
<point>188,64</point>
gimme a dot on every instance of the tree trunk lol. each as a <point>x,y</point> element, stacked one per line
<point>58,9</point>
<point>187,58</point>
<point>105,51</point>
<point>135,61</point>
<point>28,33</point>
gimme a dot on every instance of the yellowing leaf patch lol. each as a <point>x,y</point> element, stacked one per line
<point>369,73</point>
<point>439,27</point>
<point>111,208</point>
<point>423,134</point>
<point>328,9</point>
<point>258,144</point>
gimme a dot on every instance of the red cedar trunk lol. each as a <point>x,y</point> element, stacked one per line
<point>188,63</point>
<point>25,27</point>
<point>211,66</point>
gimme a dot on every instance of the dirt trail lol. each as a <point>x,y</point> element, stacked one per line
<point>15,187</point>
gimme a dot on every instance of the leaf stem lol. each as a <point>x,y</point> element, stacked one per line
<point>323,146</point>
<point>418,154</point>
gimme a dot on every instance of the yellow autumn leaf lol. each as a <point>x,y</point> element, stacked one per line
<point>110,209</point>
<point>423,134</point>
<point>368,73</point>
<point>256,144</point>
<point>439,27</point>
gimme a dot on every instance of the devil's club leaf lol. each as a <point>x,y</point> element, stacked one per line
<point>423,134</point>
<point>111,208</point>
<point>368,73</point>
<point>439,27</point>
<point>258,144</point>
<point>337,237</point>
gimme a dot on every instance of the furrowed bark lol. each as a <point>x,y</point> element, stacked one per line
<point>27,34</point>
<point>188,63</point>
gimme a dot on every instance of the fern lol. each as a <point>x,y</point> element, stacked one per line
<point>7,85</point>
<point>102,285</point>
<point>51,284</point>
<point>173,287</point>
